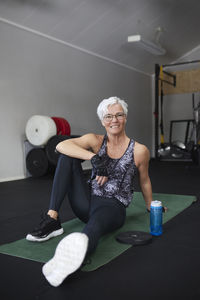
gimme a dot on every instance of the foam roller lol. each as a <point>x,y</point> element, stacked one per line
<point>62,125</point>
<point>39,129</point>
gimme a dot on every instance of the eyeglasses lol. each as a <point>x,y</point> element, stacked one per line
<point>108,118</point>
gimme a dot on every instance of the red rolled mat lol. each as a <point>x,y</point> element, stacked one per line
<point>62,125</point>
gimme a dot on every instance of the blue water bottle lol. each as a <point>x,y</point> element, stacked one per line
<point>156,218</point>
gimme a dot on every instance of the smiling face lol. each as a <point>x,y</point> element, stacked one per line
<point>115,119</point>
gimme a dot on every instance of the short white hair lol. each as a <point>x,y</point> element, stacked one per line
<point>102,108</point>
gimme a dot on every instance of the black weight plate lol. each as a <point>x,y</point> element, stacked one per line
<point>36,162</point>
<point>50,148</point>
<point>134,237</point>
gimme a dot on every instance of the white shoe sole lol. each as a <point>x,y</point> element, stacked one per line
<point>32,238</point>
<point>68,258</point>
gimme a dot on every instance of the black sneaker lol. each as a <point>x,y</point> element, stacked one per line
<point>47,229</point>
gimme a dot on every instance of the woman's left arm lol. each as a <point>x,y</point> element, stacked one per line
<point>142,156</point>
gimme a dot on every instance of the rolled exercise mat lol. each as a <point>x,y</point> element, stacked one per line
<point>50,148</point>
<point>62,125</point>
<point>39,129</point>
<point>37,163</point>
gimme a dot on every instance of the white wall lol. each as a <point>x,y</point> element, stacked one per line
<point>41,76</point>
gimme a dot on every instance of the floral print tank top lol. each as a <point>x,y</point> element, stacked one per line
<point>120,175</point>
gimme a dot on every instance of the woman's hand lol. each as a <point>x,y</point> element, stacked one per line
<point>99,165</point>
<point>164,209</point>
<point>101,179</point>
<point>99,169</point>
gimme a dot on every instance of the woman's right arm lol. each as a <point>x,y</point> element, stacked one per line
<point>83,147</point>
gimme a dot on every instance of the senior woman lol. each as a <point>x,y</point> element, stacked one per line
<point>100,203</point>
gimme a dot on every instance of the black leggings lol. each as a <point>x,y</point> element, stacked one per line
<point>101,215</point>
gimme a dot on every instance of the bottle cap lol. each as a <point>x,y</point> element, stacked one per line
<point>156,203</point>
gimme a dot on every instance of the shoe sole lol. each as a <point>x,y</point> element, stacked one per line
<point>52,263</point>
<point>68,258</point>
<point>32,238</point>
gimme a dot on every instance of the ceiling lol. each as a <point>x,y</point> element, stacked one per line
<point>101,27</point>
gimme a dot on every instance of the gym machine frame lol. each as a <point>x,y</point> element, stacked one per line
<point>159,80</point>
<point>158,70</point>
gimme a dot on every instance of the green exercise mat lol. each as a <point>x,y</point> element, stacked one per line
<point>108,248</point>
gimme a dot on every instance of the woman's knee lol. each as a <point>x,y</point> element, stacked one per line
<point>65,161</point>
<point>64,158</point>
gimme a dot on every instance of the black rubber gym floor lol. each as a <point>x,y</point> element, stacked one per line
<point>168,268</point>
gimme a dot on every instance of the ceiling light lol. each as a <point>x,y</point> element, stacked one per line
<point>149,46</point>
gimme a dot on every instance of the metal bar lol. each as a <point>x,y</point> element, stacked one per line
<point>161,116</point>
<point>169,74</point>
<point>183,63</point>
<point>193,102</point>
<point>156,111</point>
<point>187,131</point>
<point>184,120</point>
<point>170,132</point>
<point>163,80</point>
